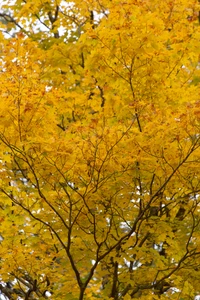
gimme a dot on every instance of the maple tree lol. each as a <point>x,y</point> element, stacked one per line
<point>100,149</point>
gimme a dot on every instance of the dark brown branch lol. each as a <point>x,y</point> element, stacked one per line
<point>31,290</point>
<point>102,96</point>
<point>8,18</point>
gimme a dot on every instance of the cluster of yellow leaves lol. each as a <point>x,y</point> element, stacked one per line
<point>100,149</point>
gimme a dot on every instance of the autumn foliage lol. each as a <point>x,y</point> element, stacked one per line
<point>100,149</point>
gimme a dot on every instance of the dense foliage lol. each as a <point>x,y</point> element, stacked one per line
<point>100,149</point>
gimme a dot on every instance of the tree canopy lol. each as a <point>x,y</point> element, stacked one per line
<point>99,149</point>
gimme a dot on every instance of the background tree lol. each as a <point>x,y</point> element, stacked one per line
<point>100,150</point>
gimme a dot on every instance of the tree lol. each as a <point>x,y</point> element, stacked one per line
<point>100,150</point>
